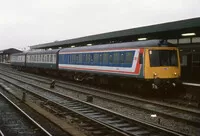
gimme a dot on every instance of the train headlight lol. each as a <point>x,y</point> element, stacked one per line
<point>154,75</point>
<point>175,73</point>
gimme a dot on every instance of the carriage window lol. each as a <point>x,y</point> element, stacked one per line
<point>61,59</point>
<point>30,58</point>
<point>27,58</point>
<point>122,58</point>
<point>80,58</point>
<point>48,58</point>
<point>54,58</point>
<point>116,58</point>
<point>110,58</point>
<point>100,58</point>
<point>96,57</point>
<point>84,58</point>
<point>68,59</point>
<point>105,58</point>
<point>77,58</point>
<point>129,57</point>
<point>91,57</point>
<point>51,58</point>
<point>88,58</point>
<point>73,58</point>
<point>43,58</point>
<point>38,59</point>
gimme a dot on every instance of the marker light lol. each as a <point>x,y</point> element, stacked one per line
<point>175,73</point>
<point>188,34</point>
<point>72,46</point>
<point>89,44</point>
<point>153,115</point>
<point>142,39</point>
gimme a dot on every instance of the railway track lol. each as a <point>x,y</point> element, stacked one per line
<point>168,111</point>
<point>189,115</point>
<point>106,122</point>
<point>15,122</point>
<point>183,104</point>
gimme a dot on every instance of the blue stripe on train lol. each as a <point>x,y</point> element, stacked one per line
<point>97,59</point>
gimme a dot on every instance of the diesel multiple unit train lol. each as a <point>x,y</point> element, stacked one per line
<point>151,64</point>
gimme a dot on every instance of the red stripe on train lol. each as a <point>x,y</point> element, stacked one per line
<point>112,71</point>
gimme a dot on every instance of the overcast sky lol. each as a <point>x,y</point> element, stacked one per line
<point>29,22</point>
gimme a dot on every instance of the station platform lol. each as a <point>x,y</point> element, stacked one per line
<point>191,84</point>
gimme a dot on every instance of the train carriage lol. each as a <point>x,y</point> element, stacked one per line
<point>148,64</point>
<point>42,59</point>
<point>104,59</point>
<point>18,60</point>
<point>154,61</point>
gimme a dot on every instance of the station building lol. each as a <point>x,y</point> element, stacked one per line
<point>184,33</point>
<point>5,54</point>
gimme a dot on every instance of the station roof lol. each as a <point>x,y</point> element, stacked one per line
<point>10,51</point>
<point>159,31</point>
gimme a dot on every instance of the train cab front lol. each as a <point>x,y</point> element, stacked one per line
<point>162,68</point>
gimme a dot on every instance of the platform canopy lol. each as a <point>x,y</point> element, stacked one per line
<point>170,30</point>
<point>9,51</point>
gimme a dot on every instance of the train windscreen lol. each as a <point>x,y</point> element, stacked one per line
<point>163,58</point>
